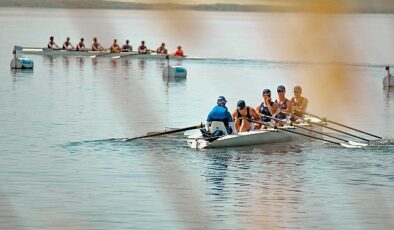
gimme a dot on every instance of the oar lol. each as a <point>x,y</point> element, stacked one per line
<point>166,132</point>
<point>345,126</point>
<point>321,133</point>
<point>310,136</point>
<point>333,129</point>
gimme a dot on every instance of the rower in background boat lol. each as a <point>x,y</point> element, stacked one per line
<point>127,47</point>
<point>162,49</point>
<point>52,44</point>
<point>96,46</point>
<point>67,45</point>
<point>266,108</point>
<point>115,48</point>
<point>142,49</point>
<point>242,116</point>
<point>299,104</point>
<point>220,113</point>
<point>283,105</point>
<point>178,52</point>
<point>81,45</point>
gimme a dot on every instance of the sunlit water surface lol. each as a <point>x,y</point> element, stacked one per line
<point>60,170</point>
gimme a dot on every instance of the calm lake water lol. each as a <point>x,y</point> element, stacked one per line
<point>60,170</point>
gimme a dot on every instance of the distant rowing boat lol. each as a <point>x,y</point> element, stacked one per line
<point>105,53</point>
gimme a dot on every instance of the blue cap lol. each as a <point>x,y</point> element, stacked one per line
<point>221,98</point>
<point>281,88</point>
<point>241,104</point>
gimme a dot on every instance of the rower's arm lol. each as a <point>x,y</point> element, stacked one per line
<point>255,115</point>
<point>272,108</point>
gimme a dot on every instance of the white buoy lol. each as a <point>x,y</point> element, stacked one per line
<point>388,80</point>
<point>21,62</point>
<point>174,72</point>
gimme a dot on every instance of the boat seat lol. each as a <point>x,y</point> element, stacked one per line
<point>218,125</point>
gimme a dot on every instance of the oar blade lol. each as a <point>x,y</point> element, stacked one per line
<point>350,146</point>
<point>357,144</point>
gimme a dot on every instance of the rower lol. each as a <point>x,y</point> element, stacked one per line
<point>178,52</point>
<point>243,116</point>
<point>142,49</point>
<point>162,49</point>
<point>299,104</point>
<point>67,44</point>
<point>266,108</point>
<point>96,46</point>
<point>52,44</point>
<point>127,47</point>
<point>282,103</point>
<point>81,45</point>
<point>220,113</point>
<point>115,48</point>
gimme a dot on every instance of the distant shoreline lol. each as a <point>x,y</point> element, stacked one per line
<point>74,4</point>
<point>307,8</point>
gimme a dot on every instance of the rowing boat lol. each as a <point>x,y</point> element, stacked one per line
<point>256,137</point>
<point>105,53</point>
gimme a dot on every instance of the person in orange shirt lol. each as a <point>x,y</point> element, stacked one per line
<point>179,52</point>
<point>243,116</point>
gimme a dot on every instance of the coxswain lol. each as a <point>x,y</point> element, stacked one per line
<point>221,113</point>
<point>179,52</point>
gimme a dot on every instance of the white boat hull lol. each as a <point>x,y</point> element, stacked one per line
<point>258,137</point>
<point>51,52</point>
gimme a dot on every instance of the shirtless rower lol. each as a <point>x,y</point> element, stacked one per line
<point>81,45</point>
<point>52,44</point>
<point>96,46</point>
<point>115,48</point>
<point>67,44</point>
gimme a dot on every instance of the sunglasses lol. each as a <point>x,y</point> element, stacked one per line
<point>297,92</point>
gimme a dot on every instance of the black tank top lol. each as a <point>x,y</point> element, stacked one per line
<point>265,111</point>
<point>247,113</point>
<point>282,106</point>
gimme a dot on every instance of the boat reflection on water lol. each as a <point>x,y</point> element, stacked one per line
<point>141,64</point>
